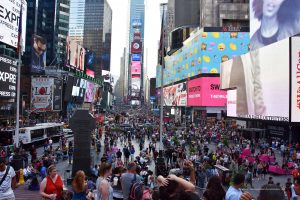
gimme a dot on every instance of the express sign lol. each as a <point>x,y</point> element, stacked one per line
<point>8,76</point>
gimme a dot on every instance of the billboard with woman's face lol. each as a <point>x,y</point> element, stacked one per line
<point>273,20</point>
<point>75,55</point>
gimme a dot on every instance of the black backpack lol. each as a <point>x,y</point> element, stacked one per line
<point>136,190</point>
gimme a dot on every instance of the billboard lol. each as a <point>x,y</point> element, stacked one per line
<point>89,92</point>
<point>90,63</point>
<point>272,21</point>
<point>295,80</point>
<point>136,22</point>
<point>135,67</point>
<point>175,95</point>
<point>38,58</point>
<point>136,46</point>
<point>57,94</point>
<point>203,54</point>
<point>135,57</point>
<point>261,81</point>
<point>9,18</point>
<point>42,93</point>
<point>135,88</point>
<point>8,76</point>
<point>75,55</point>
<point>206,92</point>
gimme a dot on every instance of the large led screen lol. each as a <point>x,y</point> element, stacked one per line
<point>75,55</point>
<point>38,58</point>
<point>206,92</point>
<point>261,81</point>
<point>272,21</point>
<point>175,95</point>
<point>135,88</point>
<point>10,18</point>
<point>89,93</point>
<point>135,67</point>
<point>203,54</point>
<point>295,80</point>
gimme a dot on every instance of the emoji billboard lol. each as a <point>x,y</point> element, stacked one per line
<point>204,53</point>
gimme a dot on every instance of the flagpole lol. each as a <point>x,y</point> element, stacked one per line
<point>161,81</point>
<point>19,48</point>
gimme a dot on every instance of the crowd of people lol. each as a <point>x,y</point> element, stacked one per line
<point>196,162</point>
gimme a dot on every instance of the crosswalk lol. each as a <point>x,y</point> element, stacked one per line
<point>21,193</point>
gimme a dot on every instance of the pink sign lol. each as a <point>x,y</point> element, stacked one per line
<point>206,91</point>
<point>135,67</point>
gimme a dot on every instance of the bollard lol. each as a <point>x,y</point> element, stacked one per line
<point>21,179</point>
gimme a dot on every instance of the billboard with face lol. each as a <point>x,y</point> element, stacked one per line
<point>206,92</point>
<point>38,59</point>
<point>261,81</point>
<point>175,95</point>
<point>273,20</point>
<point>203,54</point>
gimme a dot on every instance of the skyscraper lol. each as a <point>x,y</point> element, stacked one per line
<point>96,30</point>
<point>76,25</point>
<point>137,12</point>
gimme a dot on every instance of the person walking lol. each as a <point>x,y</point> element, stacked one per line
<point>52,185</point>
<point>128,178</point>
<point>8,181</point>
<point>103,187</point>
<point>234,192</point>
<point>70,153</point>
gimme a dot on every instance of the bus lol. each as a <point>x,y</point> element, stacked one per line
<point>33,134</point>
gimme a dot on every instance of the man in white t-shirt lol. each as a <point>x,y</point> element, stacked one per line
<point>8,183</point>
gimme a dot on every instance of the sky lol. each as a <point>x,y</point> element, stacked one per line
<point>120,28</point>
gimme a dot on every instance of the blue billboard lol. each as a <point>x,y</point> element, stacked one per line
<point>136,57</point>
<point>203,54</point>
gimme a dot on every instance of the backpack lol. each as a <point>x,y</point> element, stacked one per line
<point>136,190</point>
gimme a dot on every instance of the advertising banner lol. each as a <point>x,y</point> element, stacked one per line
<point>135,67</point>
<point>136,57</point>
<point>9,21</point>
<point>206,92</point>
<point>135,88</point>
<point>295,87</point>
<point>175,95</point>
<point>90,63</point>
<point>136,46</point>
<point>38,59</point>
<point>203,55</point>
<point>8,77</point>
<point>89,92</point>
<point>261,80</point>
<point>42,93</point>
<point>75,55</point>
<point>57,94</point>
<point>272,21</point>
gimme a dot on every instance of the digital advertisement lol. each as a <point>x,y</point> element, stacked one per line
<point>206,92</point>
<point>89,92</point>
<point>8,77</point>
<point>42,93</point>
<point>175,95</point>
<point>90,63</point>
<point>272,21</point>
<point>9,21</point>
<point>135,57</point>
<point>75,57</point>
<point>38,59</point>
<point>135,87</point>
<point>135,67</point>
<point>203,54</point>
<point>261,80</point>
<point>57,94</point>
<point>295,87</point>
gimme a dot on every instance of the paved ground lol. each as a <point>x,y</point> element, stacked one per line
<point>62,166</point>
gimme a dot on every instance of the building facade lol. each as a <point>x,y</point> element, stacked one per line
<point>76,25</point>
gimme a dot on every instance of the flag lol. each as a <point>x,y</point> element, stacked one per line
<point>162,51</point>
<point>20,29</point>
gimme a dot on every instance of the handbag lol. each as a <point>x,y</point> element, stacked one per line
<point>5,175</point>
